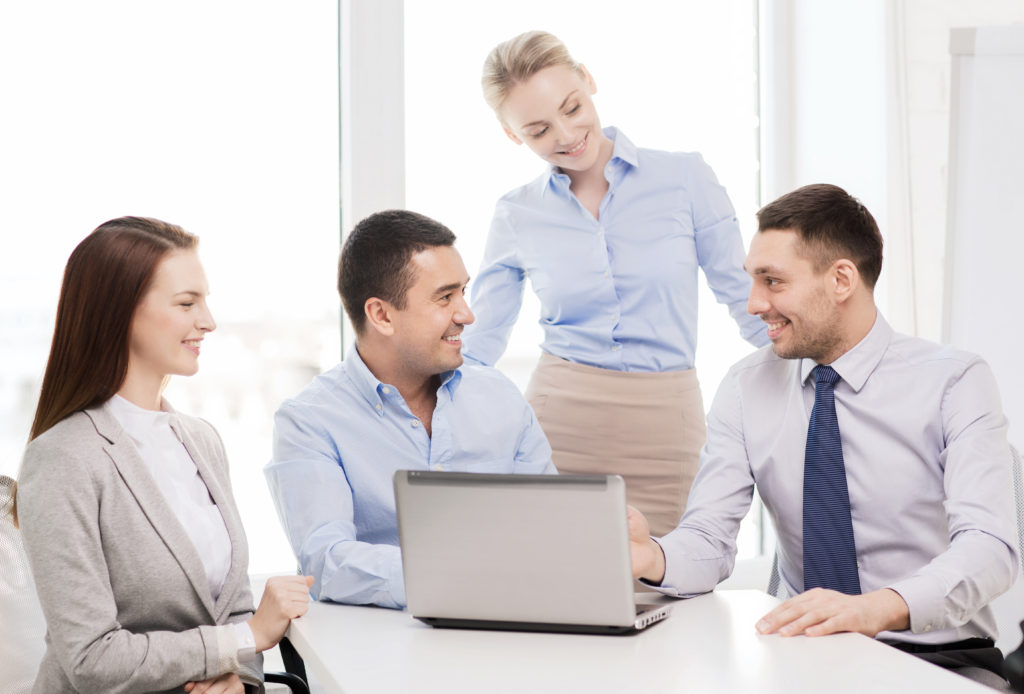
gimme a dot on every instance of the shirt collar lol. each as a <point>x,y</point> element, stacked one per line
<point>374,392</point>
<point>624,156</point>
<point>140,423</point>
<point>857,364</point>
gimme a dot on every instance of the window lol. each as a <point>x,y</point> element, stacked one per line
<point>673,76</point>
<point>220,117</point>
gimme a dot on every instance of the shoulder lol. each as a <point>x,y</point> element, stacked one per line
<point>330,393</point>
<point>73,436</point>
<point>762,364</point>
<point>524,195</point>
<point>918,352</point>
<point>478,379</point>
<point>329,387</point>
<point>61,457</point>
<point>688,163</point>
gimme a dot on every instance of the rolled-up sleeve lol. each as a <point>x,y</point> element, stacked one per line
<point>314,502</point>
<point>497,292</point>
<point>720,250</point>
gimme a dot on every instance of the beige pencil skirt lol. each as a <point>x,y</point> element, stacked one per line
<point>646,427</point>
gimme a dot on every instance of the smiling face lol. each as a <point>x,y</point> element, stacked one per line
<point>793,299</point>
<point>169,323</point>
<point>552,112</point>
<point>427,333</point>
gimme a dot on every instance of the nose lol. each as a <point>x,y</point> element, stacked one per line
<point>463,314</point>
<point>204,320</point>
<point>563,131</point>
<point>757,304</point>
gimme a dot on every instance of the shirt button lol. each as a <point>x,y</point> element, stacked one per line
<point>615,316</point>
<point>415,423</point>
<point>607,274</point>
<point>616,348</point>
<point>385,390</point>
<point>379,407</point>
<point>437,467</point>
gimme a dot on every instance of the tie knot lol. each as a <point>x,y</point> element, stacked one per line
<point>825,375</point>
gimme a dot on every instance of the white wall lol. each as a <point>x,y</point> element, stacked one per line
<point>926,25</point>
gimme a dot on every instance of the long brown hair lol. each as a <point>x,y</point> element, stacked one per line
<point>106,277</point>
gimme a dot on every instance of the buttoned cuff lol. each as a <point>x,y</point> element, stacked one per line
<point>246,643</point>
<point>700,576</point>
<point>925,596</point>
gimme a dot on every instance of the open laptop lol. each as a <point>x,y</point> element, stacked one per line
<point>524,552</point>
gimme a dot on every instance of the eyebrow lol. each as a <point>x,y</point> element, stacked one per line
<point>560,107</point>
<point>450,287</point>
<point>763,270</point>
<point>189,292</point>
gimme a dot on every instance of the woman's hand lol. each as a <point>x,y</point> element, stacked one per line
<point>229,683</point>
<point>284,599</point>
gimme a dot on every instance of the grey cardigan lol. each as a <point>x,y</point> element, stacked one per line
<point>124,592</point>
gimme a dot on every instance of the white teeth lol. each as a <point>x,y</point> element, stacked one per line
<point>775,326</point>
<point>452,338</point>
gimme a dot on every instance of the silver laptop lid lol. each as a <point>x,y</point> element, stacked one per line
<point>516,548</point>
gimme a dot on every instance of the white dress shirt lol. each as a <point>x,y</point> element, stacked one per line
<point>176,474</point>
<point>927,466</point>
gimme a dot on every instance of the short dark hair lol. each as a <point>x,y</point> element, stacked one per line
<point>831,224</point>
<point>374,261</point>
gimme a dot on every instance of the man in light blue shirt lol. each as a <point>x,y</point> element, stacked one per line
<point>401,401</point>
<point>923,439</point>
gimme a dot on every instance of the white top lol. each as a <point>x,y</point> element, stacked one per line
<point>161,449</point>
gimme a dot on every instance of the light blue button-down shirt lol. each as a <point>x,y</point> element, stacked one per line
<point>338,443</point>
<point>618,292</point>
<point>927,466</point>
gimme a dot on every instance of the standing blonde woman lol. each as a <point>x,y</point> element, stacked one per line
<point>611,237</point>
<point>125,506</point>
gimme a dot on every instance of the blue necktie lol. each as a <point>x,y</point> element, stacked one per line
<point>830,555</point>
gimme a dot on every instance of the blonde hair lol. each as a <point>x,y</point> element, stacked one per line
<point>519,59</point>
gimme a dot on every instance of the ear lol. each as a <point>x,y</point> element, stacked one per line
<point>378,316</point>
<point>844,279</point>
<point>511,135</point>
<point>588,79</point>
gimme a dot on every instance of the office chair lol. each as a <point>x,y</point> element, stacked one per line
<point>294,676</point>
<point>1013,666</point>
<point>22,634</point>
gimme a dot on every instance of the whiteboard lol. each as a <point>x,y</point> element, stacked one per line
<point>983,304</point>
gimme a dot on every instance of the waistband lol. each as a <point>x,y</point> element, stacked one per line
<point>550,361</point>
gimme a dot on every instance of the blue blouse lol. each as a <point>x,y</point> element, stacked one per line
<point>618,292</point>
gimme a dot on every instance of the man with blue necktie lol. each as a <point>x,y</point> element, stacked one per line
<point>881,458</point>
<point>401,400</point>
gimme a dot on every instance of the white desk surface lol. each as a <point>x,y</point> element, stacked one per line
<point>707,644</point>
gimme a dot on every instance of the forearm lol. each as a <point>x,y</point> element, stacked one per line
<point>356,573</point>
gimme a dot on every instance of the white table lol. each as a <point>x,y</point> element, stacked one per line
<point>708,644</point>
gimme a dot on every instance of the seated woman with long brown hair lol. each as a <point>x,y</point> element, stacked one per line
<point>134,540</point>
